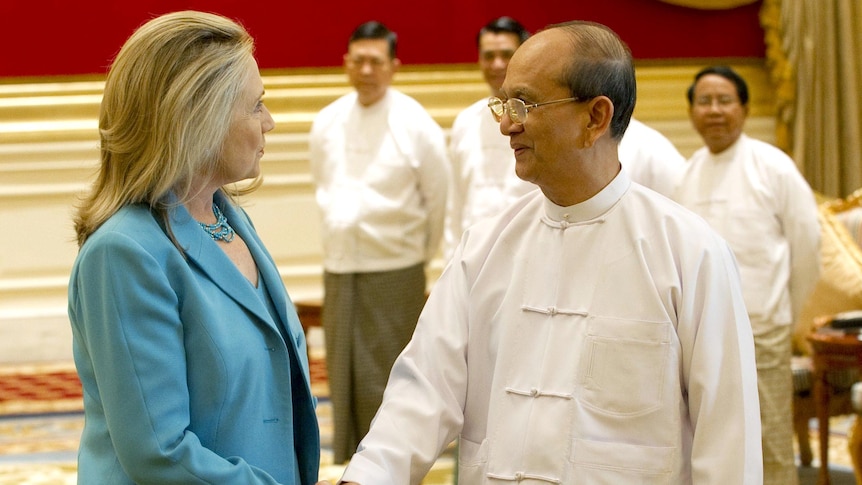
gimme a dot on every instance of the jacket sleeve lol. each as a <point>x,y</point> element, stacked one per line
<point>719,371</point>
<point>458,183</point>
<point>434,178</point>
<point>801,226</point>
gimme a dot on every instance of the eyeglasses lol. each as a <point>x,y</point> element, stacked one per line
<point>355,62</point>
<point>517,108</point>
<point>707,101</point>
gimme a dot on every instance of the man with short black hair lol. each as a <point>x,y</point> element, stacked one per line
<point>379,163</point>
<point>483,167</point>
<point>752,194</point>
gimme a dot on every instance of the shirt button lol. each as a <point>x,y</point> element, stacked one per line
<point>534,392</point>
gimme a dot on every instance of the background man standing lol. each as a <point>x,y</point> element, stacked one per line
<point>753,195</point>
<point>379,163</point>
<point>483,166</point>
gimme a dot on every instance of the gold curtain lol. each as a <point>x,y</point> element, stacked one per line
<point>814,57</point>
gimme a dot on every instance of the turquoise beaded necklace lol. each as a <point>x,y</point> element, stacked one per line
<point>221,230</point>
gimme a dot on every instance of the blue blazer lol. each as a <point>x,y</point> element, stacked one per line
<point>187,377</point>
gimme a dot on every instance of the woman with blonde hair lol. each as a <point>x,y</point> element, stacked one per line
<point>190,352</point>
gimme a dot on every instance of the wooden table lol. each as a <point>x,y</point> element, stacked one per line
<point>308,312</point>
<point>830,351</point>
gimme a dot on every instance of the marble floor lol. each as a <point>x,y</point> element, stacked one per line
<point>39,437</point>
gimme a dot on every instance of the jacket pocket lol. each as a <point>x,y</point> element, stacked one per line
<point>623,366</point>
<point>472,461</point>
<point>603,463</point>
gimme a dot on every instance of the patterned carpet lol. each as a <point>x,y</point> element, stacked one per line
<point>41,423</point>
<point>39,389</point>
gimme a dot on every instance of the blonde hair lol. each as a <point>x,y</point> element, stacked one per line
<point>166,111</point>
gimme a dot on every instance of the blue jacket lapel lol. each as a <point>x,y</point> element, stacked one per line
<point>217,266</point>
<point>203,252</point>
<point>274,285</point>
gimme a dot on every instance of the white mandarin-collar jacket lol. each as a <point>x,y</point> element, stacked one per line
<point>754,196</point>
<point>381,175</point>
<point>602,343</point>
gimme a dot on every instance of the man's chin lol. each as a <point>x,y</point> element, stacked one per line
<point>523,172</point>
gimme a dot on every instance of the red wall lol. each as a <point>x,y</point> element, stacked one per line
<point>61,37</point>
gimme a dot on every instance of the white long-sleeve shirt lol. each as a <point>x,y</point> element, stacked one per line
<point>606,342</point>
<point>651,159</point>
<point>754,196</point>
<point>381,174</point>
<point>483,168</point>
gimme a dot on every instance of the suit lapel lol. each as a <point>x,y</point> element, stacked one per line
<point>214,263</point>
<point>273,283</point>
<point>266,266</point>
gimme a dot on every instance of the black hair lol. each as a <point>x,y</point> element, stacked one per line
<point>376,30</point>
<point>504,25</point>
<point>727,73</point>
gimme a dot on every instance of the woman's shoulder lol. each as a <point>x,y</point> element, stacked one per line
<point>133,225</point>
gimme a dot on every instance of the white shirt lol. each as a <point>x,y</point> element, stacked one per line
<point>605,342</point>
<point>754,196</point>
<point>381,174</point>
<point>483,168</point>
<point>651,159</point>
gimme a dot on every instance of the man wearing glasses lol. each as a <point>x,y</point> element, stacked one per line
<point>483,176</point>
<point>594,332</point>
<point>381,173</point>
